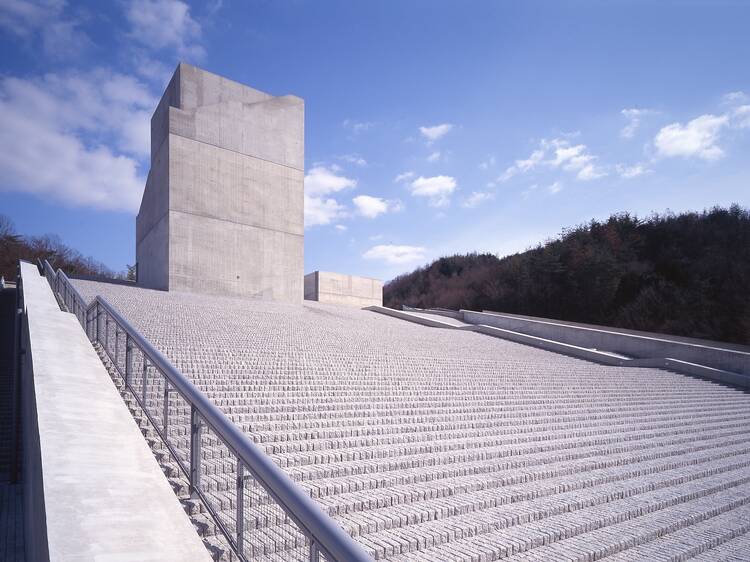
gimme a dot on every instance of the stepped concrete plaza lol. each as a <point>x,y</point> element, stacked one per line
<point>427,443</point>
<point>222,211</point>
<point>338,288</point>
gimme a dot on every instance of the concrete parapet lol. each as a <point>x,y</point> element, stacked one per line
<point>93,489</point>
<point>630,344</point>
<point>338,288</point>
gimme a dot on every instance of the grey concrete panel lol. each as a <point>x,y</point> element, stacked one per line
<point>271,129</point>
<point>339,288</point>
<point>222,184</point>
<point>199,88</point>
<point>630,345</point>
<point>220,257</point>
<point>155,201</point>
<point>104,496</point>
<point>152,256</point>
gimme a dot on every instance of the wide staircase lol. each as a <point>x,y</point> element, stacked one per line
<point>429,444</point>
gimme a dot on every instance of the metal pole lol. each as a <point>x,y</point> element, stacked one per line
<point>195,451</point>
<point>167,390</point>
<point>145,379</point>
<point>106,333</point>
<point>117,347</point>
<point>98,323</point>
<point>240,517</point>
<point>314,551</point>
<point>128,359</point>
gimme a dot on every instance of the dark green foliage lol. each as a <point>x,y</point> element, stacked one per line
<point>14,247</point>
<point>686,274</point>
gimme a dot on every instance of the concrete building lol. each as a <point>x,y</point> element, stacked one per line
<point>222,211</point>
<point>338,288</point>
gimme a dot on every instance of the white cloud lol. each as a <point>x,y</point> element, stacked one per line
<point>165,24</point>
<point>434,156</point>
<point>76,137</point>
<point>555,187</point>
<point>735,97</point>
<point>698,138</point>
<point>634,117</point>
<point>741,117</point>
<point>341,228</point>
<point>47,20</point>
<point>435,132</point>
<point>558,153</point>
<point>437,189</point>
<point>357,126</point>
<point>394,254</point>
<point>370,207</point>
<point>322,211</point>
<point>629,172</point>
<point>355,159</point>
<point>476,198</point>
<point>321,181</point>
<point>403,177</point>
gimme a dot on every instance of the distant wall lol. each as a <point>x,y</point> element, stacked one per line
<point>338,288</point>
<point>713,354</point>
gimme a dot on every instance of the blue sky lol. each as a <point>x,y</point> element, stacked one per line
<point>431,127</point>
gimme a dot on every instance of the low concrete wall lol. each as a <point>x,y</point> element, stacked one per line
<point>93,488</point>
<point>628,344</point>
<point>338,288</point>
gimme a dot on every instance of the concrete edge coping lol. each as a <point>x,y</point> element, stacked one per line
<point>595,355</point>
<point>603,330</point>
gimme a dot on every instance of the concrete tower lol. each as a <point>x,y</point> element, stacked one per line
<point>223,208</point>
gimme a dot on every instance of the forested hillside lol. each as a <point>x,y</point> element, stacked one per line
<point>686,274</point>
<point>14,247</point>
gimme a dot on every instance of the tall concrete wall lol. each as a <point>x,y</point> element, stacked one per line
<point>222,212</point>
<point>337,288</point>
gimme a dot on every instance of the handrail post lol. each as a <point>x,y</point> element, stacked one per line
<point>195,451</point>
<point>240,516</point>
<point>167,391</point>
<point>98,323</point>
<point>117,347</point>
<point>128,359</point>
<point>314,551</point>
<point>145,379</point>
<point>106,333</point>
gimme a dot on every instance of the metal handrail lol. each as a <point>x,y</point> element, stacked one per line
<point>325,536</point>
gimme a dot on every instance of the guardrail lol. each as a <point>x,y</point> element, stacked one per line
<point>260,494</point>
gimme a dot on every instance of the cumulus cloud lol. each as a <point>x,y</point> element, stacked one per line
<point>320,183</point>
<point>556,187</point>
<point>434,156</point>
<point>634,117</point>
<point>697,138</point>
<point>732,98</point>
<point>76,137</point>
<point>403,177</point>
<point>476,198</point>
<point>487,164</point>
<point>165,24</point>
<point>437,189</point>
<point>395,255</point>
<point>371,207</point>
<point>435,132</point>
<point>558,153</point>
<point>48,21</point>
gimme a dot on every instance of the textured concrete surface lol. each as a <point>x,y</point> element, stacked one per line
<point>103,495</point>
<point>339,288</point>
<point>443,444</point>
<point>222,212</point>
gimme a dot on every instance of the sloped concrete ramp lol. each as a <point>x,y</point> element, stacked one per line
<point>94,490</point>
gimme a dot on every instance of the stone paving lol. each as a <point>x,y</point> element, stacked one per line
<point>430,444</point>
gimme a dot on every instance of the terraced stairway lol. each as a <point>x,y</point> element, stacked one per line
<point>430,444</point>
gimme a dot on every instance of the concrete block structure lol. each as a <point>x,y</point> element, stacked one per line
<point>338,288</point>
<point>222,212</point>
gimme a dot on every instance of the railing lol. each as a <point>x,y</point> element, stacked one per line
<point>257,507</point>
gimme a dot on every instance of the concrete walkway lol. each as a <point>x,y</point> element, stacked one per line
<point>104,496</point>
